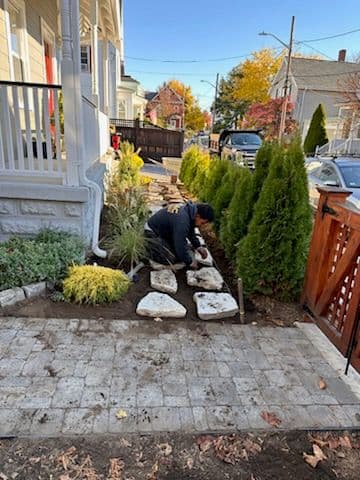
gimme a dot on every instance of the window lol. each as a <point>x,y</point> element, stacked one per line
<point>16,25</point>
<point>245,139</point>
<point>85,58</point>
<point>329,176</point>
<point>351,174</point>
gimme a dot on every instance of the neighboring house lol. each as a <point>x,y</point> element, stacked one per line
<point>59,68</point>
<point>166,107</point>
<point>313,82</point>
<point>131,99</point>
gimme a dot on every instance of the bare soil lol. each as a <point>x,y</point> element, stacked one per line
<point>260,456</point>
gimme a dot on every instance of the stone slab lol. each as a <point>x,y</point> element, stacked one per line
<point>11,296</point>
<point>160,266</point>
<point>207,262</point>
<point>156,304</point>
<point>164,281</point>
<point>34,289</point>
<point>215,305</point>
<point>207,277</point>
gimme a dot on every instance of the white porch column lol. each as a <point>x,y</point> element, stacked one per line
<point>70,74</point>
<point>105,56</point>
<point>94,19</point>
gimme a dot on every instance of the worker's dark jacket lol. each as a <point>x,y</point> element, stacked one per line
<point>175,228</point>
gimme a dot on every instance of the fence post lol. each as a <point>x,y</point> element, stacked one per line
<point>137,132</point>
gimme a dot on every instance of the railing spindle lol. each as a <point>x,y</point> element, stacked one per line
<point>38,129</point>
<point>49,153</point>
<point>57,131</point>
<point>6,122</point>
<point>18,132</point>
<point>29,147</point>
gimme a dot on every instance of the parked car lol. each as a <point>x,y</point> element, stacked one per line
<point>240,146</point>
<point>201,140</point>
<point>343,172</point>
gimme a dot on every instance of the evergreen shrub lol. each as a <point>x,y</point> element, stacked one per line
<point>271,258</point>
<point>92,284</point>
<point>316,135</point>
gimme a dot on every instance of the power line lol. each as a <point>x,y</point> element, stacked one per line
<point>331,36</point>
<point>160,60</point>
<point>316,50</point>
<point>169,74</point>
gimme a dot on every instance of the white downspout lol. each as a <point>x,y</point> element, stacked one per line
<point>74,134</point>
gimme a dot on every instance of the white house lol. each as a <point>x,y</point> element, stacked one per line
<point>312,82</point>
<point>59,71</point>
<point>131,99</point>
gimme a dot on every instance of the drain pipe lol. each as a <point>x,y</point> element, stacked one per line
<point>94,187</point>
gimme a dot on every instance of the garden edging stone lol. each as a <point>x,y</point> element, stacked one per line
<point>34,289</point>
<point>11,296</point>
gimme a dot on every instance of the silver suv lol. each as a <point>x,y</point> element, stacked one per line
<point>343,172</point>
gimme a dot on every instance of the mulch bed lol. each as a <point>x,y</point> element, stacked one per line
<point>259,456</point>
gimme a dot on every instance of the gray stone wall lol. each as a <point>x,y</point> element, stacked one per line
<point>59,209</point>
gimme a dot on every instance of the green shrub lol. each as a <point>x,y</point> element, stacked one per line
<point>217,171</point>
<point>316,135</point>
<point>127,245</point>
<point>93,284</point>
<point>126,174</point>
<point>271,258</point>
<point>262,164</point>
<point>235,220</point>
<point>45,257</point>
<point>225,192</point>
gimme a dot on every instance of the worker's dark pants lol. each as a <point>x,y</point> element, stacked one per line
<point>159,250</point>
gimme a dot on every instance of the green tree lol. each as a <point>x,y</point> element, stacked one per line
<point>271,258</point>
<point>236,218</point>
<point>225,191</point>
<point>217,171</point>
<point>262,163</point>
<point>316,135</point>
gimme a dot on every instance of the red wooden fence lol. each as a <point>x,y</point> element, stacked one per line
<point>331,291</point>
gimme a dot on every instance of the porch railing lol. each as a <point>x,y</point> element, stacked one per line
<point>31,132</point>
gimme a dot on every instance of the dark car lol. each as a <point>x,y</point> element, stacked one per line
<point>240,146</point>
<point>343,172</point>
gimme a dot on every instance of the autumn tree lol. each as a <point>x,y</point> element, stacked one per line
<point>267,116</point>
<point>194,116</point>
<point>246,84</point>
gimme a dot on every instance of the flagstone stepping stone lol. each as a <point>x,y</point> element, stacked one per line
<point>207,277</point>
<point>160,266</point>
<point>156,304</point>
<point>211,306</point>
<point>207,262</point>
<point>164,281</point>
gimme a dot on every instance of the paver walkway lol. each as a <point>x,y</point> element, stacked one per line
<point>72,376</point>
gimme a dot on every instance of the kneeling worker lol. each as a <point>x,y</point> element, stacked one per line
<point>168,230</point>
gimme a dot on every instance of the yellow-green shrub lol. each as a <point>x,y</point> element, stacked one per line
<point>93,284</point>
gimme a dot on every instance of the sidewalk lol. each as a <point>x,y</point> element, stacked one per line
<point>68,377</point>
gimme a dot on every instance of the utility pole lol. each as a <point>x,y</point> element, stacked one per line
<point>215,99</point>
<point>286,84</point>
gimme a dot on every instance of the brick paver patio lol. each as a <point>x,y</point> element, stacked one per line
<point>67,377</point>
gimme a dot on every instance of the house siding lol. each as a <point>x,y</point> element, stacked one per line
<point>34,11</point>
<point>4,57</point>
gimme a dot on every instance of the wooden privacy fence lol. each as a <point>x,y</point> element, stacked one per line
<point>331,293</point>
<point>154,142</point>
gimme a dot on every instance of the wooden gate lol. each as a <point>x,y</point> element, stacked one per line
<point>331,292</point>
<point>154,142</point>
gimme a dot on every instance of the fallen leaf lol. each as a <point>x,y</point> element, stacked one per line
<point>3,476</point>
<point>314,459</point>
<point>322,384</point>
<point>116,469</point>
<point>190,463</point>
<point>165,448</point>
<point>154,471</point>
<point>124,443</point>
<point>345,442</point>
<point>251,447</point>
<point>120,414</point>
<point>158,319</point>
<point>205,442</point>
<point>319,441</point>
<point>64,477</point>
<point>270,418</point>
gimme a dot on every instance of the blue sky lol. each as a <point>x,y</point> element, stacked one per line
<point>203,30</point>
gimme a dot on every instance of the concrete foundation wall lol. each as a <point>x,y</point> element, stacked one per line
<point>54,207</point>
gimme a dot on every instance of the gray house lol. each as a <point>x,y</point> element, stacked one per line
<point>312,82</point>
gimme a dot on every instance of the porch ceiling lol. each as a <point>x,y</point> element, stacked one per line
<point>109,20</point>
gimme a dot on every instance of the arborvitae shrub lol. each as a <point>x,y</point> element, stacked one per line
<point>217,170</point>
<point>236,218</point>
<point>225,191</point>
<point>271,258</point>
<point>199,181</point>
<point>316,135</point>
<point>262,164</point>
